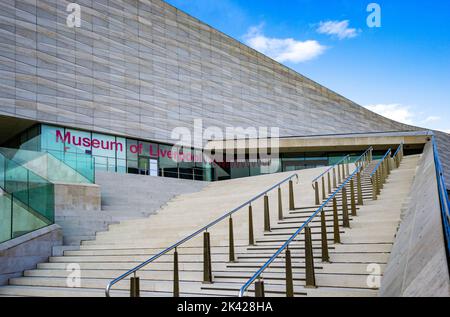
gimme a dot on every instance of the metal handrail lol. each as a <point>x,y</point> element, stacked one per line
<point>342,160</point>
<point>443,194</point>
<point>205,228</point>
<point>380,162</point>
<point>398,150</point>
<point>362,155</point>
<point>244,288</point>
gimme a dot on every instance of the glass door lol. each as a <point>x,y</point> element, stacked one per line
<point>148,166</point>
<point>144,166</point>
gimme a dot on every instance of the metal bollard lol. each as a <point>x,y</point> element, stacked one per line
<point>207,270</point>
<point>378,179</point>
<point>259,288</point>
<point>251,237</point>
<point>324,237</point>
<point>316,189</point>
<point>280,205</point>
<point>266,214</point>
<point>334,178</point>
<point>345,208</point>
<point>323,188</point>
<point>339,174</point>
<point>352,197</point>
<point>337,234</point>
<point>329,183</point>
<point>291,196</point>
<point>309,260</point>
<point>134,286</point>
<point>289,277</point>
<point>359,186</point>
<point>176,275</point>
<point>374,187</point>
<point>231,243</point>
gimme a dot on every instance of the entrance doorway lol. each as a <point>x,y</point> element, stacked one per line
<point>148,166</point>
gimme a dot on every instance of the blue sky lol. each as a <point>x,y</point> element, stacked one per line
<point>400,70</point>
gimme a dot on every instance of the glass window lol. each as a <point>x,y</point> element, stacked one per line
<point>132,156</point>
<point>121,155</point>
<point>167,166</point>
<point>52,139</point>
<point>104,149</point>
<point>79,142</point>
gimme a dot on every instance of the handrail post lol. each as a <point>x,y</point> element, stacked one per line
<point>323,188</point>
<point>374,186</point>
<point>266,213</point>
<point>324,237</point>
<point>289,277</point>
<point>134,286</point>
<point>344,176</point>
<point>345,208</point>
<point>251,237</point>
<point>339,174</point>
<point>378,178</point>
<point>176,276</point>
<point>334,178</point>
<point>309,260</point>
<point>329,183</point>
<point>291,195</point>
<point>337,234</point>
<point>359,186</point>
<point>352,197</point>
<point>207,270</point>
<point>316,189</point>
<point>259,288</point>
<point>347,165</point>
<point>231,244</point>
<point>280,205</point>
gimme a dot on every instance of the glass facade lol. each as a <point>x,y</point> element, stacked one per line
<point>113,153</point>
<point>126,155</point>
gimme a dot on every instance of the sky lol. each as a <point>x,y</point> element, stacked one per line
<point>398,65</point>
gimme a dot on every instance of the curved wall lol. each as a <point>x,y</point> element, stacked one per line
<point>141,68</point>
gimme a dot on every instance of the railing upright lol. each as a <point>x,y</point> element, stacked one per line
<point>322,184</point>
<point>383,169</point>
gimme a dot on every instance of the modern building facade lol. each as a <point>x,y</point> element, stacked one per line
<point>107,96</point>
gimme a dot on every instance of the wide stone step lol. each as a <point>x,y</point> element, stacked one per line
<point>96,283</point>
<point>149,252</point>
<point>216,257</point>
<point>125,266</point>
<point>40,291</point>
<point>322,280</point>
<point>280,290</point>
<point>147,274</point>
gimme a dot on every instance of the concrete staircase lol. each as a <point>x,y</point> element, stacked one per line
<point>130,242</point>
<point>124,197</point>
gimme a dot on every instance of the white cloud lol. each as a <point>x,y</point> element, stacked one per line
<point>431,119</point>
<point>339,28</point>
<point>283,49</point>
<point>395,112</point>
